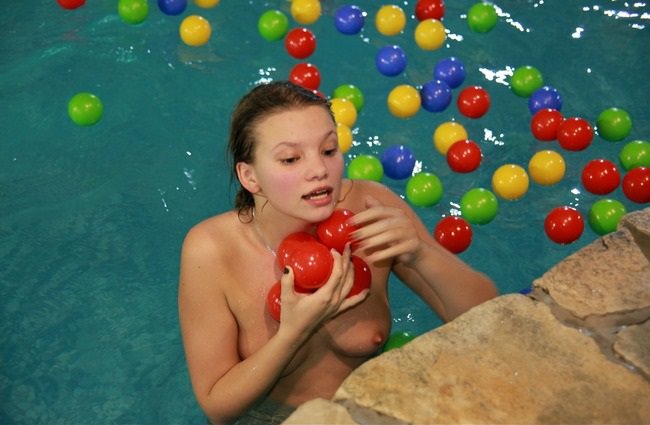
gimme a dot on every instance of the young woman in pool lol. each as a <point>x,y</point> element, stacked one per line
<point>285,154</point>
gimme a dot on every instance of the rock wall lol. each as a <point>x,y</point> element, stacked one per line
<point>575,351</point>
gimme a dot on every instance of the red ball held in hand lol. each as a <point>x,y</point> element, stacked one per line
<point>362,276</point>
<point>273,301</point>
<point>335,231</point>
<point>311,263</point>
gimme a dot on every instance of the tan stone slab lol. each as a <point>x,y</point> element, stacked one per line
<point>633,344</point>
<point>505,361</point>
<point>638,223</point>
<point>320,411</point>
<point>610,275</point>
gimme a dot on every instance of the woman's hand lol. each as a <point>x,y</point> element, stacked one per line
<point>386,232</point>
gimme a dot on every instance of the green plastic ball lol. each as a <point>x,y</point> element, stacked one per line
<point>605,214</point>
<point>133,11</point>
<point>614,124</point>
<point>635,154</point>
<point>424,189</point>
<point>273,25</point>
<point>482,17</point>
<point>526,80</point>
<point>85,109</point>
<point>397,340</point>
<point>351,93</point>
<point>366,167</point>
<point>479,206</point>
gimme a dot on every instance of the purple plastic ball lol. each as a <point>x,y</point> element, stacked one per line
<point>435,95</point>
<point>391,60</point>
<point>451,70</point>
<point>544,98</point>
<point>349,19</point>
<point>398,162</point>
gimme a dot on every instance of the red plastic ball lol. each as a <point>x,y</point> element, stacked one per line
<point>600,176</point>
<point>453,233</point>
<point>473,101</point>
<point>288,244</point>
<point>545,124</point>
<point>71,4</point>
<point>311,263</point>
<point>362,276</point>
<point>300,43</point>
<point>575,134</point>
<point>464,156</point>
<point>429,9</point>
<point>305,75</point>
<point>335,231</point>
<point>564,225</point>
<point>636,185</point>
<point>273,301</point>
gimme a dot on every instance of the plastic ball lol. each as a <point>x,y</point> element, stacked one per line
<point>85,109</point>
<point>273,25</point>
<point>479,206</point>
<point>430,34</point>
<point>195,30</point>
<point>482,17</point>
<point>453,233</point>
<point>336,231</point>
<point>435,96</point>
<point>464,156</point>
<point>636,185</point>
<point>391,60</point>
<point>71,4</point>
<point>351,93</point>
<point>207,4</point>
<point>349,19</point>
<point>635,154</point>
<point>451,70</point>
<point>172,7</point>
<point>473,102</point>
<point>274,302</point>
<point>397,340</point>
<point>564,225</point>
<point>510,182</point>
<point>525,80</point>
<point>312,264</point>
<point>545,98</point>
<point>344,134</point>
<point>429,9</point>
<point>404,101</point>
<point>343,111</point>
<point>424,189</point>
<point>545,123</point>
<point>362,276</point>
<point>305,75</point>
<point>288,244</point>
<point>446,134</point>
<point>366,167</point>
<point>305,12</point>
<point>300,43</point>
<point>133,11</point>
<point>605,214</point>
<point>614,124</point>
<point>398,162</point>
<point>575,134</point>
<point>547,167</point>
<point>600,176</point>
<point>390,20</point>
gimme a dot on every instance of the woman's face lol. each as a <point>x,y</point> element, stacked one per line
<point>298,164</point>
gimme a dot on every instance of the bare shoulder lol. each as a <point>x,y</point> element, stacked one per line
<point>205,237</point>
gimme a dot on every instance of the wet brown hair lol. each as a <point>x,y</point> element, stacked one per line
<point>262,101</point>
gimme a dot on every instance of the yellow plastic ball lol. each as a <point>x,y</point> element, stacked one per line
<point>390,19</point>
<point>344,111</point>
<point>206,4</point>
<point>430,34</point>
<point>447,134</point>
<point>510,182</point>
<point>305,12</point>
<point>546,167</point>
<point>404,101</point>
<point>345,137</point>
<point>195,30</point>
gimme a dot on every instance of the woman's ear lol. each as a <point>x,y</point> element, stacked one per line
<point>247,178</point>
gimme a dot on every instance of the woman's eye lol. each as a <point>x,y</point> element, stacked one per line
<point>330,152</point>
<point>289,160</point>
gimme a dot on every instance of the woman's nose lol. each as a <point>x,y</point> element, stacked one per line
<point>317,168</point>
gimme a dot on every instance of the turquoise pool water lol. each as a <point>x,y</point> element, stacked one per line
<point>91,219</point>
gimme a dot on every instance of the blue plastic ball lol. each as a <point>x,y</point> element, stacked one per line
<point>451,70</point>
<point>349,19</point>
<point>544,98</point>
<point>435,95</point>
<point>391,60</point>
<point>172,7</point>
<point>398,162</point>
